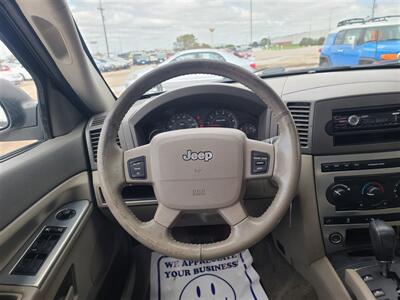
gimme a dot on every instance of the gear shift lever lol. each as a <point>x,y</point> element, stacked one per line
<point>383,240</point>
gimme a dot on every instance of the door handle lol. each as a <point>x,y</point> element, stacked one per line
<point>340,50</point>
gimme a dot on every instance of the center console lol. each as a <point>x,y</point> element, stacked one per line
<point>355,147</point>
<point>356,155</point>
<point>353,189</point>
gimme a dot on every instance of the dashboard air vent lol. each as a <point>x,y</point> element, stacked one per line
<point>301,115</point>
<point>98,120</point>
<point>94,135</point>
<point>94,141</point>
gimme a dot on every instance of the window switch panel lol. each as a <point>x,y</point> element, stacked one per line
<point>38,251</point>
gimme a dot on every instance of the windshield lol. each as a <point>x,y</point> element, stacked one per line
<point>127,39</point>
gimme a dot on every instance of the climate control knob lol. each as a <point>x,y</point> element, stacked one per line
<point>373,193</point>
<point>338,193</point>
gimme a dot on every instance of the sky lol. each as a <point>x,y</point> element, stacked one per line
<point>149,24</point>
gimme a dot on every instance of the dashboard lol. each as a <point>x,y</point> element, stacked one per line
<point>349,132</point>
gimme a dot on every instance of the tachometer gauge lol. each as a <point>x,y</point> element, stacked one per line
<point>154,132</point>
<point>181,121</point>
<point>222,118</point>
<point>249,129</point>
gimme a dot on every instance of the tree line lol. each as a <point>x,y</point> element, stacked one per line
<point>189,41</point>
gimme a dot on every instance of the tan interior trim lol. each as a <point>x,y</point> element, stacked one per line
<point>10,296</point>
<point>299,231</point>
<point>357,285</point>
<point>326,281</point>
<point>13,236</point>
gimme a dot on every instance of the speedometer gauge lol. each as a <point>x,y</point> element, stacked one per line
<point>181,121</point>
<point>249,129</point>
<point>222,118</point>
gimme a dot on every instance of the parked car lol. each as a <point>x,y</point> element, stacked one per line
<point>18,68</point>
<point>359,41</point>
<point>212,54</point>
<point>153,58</point>
<point>140,59</point>
<point>10,75</point>
<point>122,62</point>
<point>117,63</point>
<point>161,57</point>
<point>102,65</point>
<point>243,52</point>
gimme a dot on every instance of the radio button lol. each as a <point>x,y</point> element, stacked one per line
<point>353,120</point>
<point>396,190</point>
<point>326,167</point>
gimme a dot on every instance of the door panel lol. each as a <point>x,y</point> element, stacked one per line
<point>84,260</point>
<point>15,234</point>
<point>27,177</point>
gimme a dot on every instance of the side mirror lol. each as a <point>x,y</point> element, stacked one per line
<point>4,121</point>
<point>18,114</point>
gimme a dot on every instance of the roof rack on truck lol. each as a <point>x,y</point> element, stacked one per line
<point>366,20</point>
<point>351,21</point>
<point>384,18</point>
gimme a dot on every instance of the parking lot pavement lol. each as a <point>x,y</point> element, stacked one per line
<point>116,79</point>
<point>7,147</point>
<point>290,58</point>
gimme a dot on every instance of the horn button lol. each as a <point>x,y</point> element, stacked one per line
<point>198,168</point>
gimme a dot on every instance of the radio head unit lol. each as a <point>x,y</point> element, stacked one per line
<point>351,126</point>
<point>365,119</point>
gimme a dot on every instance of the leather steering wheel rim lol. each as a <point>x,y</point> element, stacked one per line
<point>283,167</point>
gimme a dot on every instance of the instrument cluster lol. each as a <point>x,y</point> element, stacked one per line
<point>203,117</point>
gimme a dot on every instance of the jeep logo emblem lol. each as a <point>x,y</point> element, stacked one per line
<point>201,155</point>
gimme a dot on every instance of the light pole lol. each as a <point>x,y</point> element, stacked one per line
<point>373,9</point>
<point>101,9</point>
<point>251,21</point>
<point>211,29</point>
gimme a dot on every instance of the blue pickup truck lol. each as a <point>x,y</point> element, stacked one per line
<point>359,41</point>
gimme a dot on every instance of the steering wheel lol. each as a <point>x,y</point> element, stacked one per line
<point>200,169</point>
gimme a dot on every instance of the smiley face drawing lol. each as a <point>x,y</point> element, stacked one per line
<point>208,287</point>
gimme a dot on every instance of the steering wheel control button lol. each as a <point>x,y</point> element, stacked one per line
<point>336,238</point>
<point>137,168</point>
<point>378,293</point>
<point>65,214</point>
<point>367,278</point>
<point>259,162</point>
